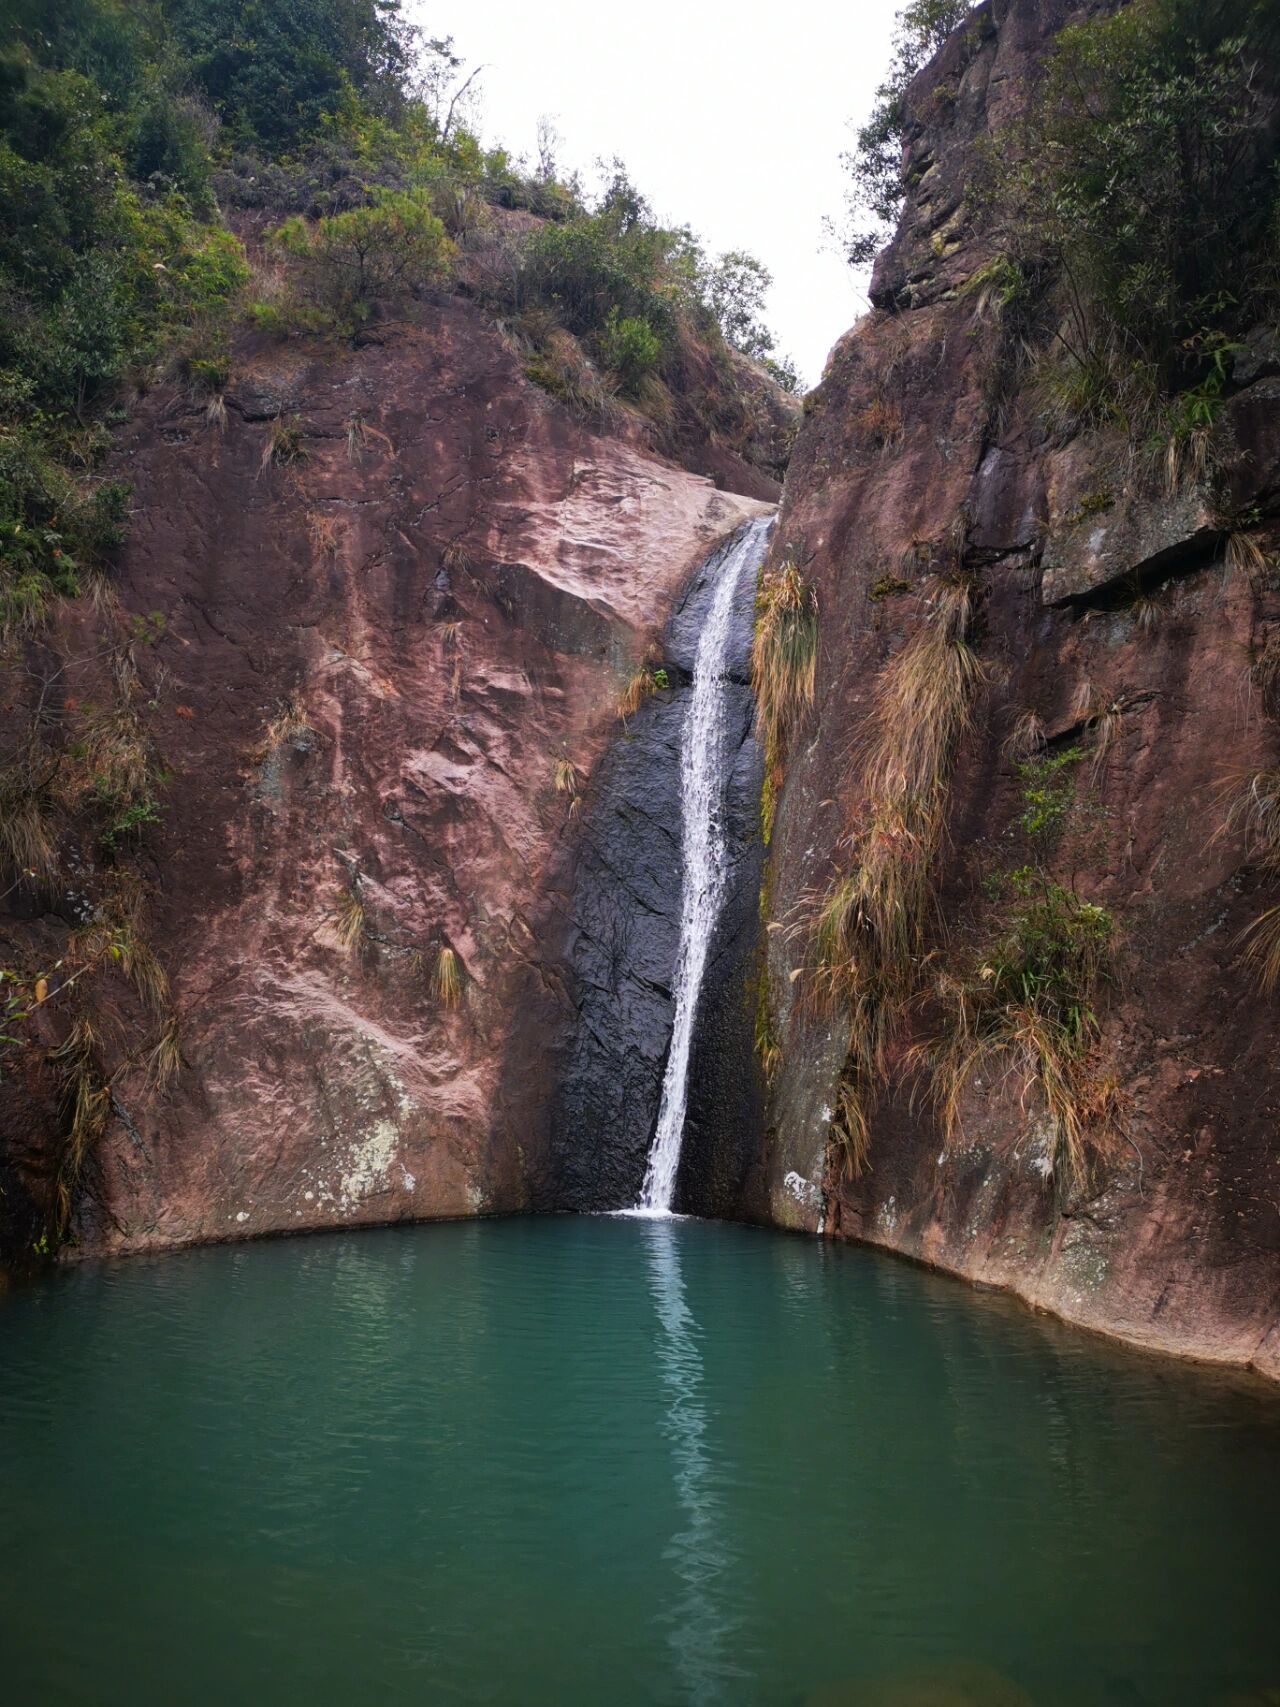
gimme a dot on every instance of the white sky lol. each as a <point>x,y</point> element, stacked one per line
<point>731,119</point>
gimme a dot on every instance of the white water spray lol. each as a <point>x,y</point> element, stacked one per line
<point>704,855</point>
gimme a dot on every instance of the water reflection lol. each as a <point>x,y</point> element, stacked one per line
<point>699,1622</point>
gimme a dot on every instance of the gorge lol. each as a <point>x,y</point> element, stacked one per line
<point>382,672</point>
<point>480,749</point>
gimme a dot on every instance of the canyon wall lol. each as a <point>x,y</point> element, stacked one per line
<point>365,663</point>
<point>1095,587</point>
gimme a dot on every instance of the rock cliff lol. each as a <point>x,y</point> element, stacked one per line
<point>1123,620</point>
<point>379,671</point>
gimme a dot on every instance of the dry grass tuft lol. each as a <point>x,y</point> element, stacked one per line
<point>164,1060</point>
<point>566,778</point>
<point>1147,611</point>
<point>851,1129</point>
<point>1261,942</point>
<point>1026,1009</point>
<point>646,682</point>
<point>1026,738</point>
<point>116,934</point>
<point>326,533</point>
<point>1100,716</point>
<point>86,1102</point>
<point>351,920</point>
<point>446,979</point>
<point>1186,459</point>
<point>784,663</point>
<point>28,832</point>
<point>290,723</point>
<point>868,930</point>
<point>283,446</point>
<point>1264,675</point>
<point>1255,812</point>
<point>1246,557</point>
<point>360,435</point>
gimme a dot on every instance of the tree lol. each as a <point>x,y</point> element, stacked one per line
<point>874,198</point>
<point>734,289</point>
<point>349,260</point>
<point>1145,182</point>
<point>274,68</point>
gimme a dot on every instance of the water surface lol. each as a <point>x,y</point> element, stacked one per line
<point>612,1461</point>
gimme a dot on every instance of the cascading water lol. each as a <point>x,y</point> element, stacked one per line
<point>704,855</point>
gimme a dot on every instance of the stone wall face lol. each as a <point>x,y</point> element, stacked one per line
<point>449,595</point>
<point>1132,598</point>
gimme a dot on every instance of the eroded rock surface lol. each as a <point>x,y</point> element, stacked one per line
<point>370,659</point>
<point>1099,589</point>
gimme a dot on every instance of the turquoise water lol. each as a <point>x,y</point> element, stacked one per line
<point>604,1461</point>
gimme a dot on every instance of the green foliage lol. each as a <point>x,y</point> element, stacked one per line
<point>99,275</point>
<point>1026,1004</point>
<point>275,72</point>
<point>52,526</point>
<point>616,278</point>
<point>876,189</point>
<point>733,288</point>
<point>1054,947</point>
<point>630,350</point>
<point>1048,791</point>
<point>118,121</point>
<point>128,819</point>
<point>1145,186</point>
<point>598,264</point>
<point>348,261</point>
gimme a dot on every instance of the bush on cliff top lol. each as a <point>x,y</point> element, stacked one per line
<point>348,261</point>
<point>1144,188</point>
<point>118,119</point>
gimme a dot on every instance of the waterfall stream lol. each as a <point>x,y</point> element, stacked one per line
<point>704,854</point>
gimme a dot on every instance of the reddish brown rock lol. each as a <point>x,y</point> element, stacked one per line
<point>1092,579</point>
<point>448,588</point>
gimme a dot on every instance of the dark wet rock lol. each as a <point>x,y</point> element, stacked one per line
<point>621,944</point>
<point>1258,357</point>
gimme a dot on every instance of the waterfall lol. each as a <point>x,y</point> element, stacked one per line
<point>704,854</point>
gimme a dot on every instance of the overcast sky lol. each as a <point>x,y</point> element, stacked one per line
<point>731,119</point>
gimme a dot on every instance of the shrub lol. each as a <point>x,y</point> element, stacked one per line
<point>629,349</point>
<point>591,267</point>
<point>1048,790</point>
<point>1144,180</point>
<point>1027,1005</point>
<point>345,263</point>
<point>277,72</point>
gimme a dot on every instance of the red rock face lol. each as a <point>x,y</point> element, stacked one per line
<point>448,598</point>
<point>1090,577</point>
